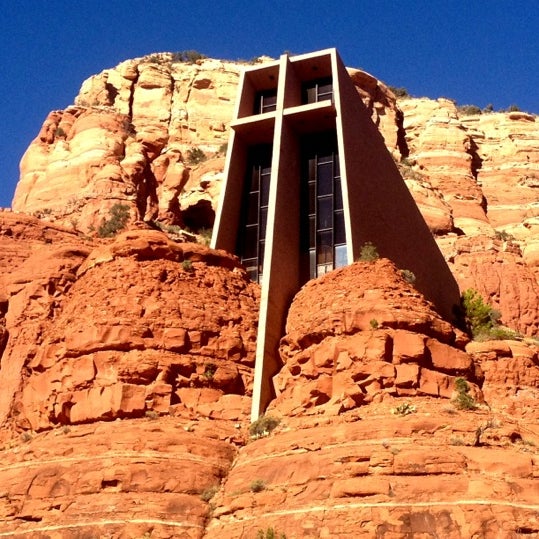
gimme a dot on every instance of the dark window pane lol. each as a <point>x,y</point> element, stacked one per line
<point>312,197</point>
<point>265,101</point>
<point>263,221</point>
<point>325,254</point>
<point>325,239</point>
<point>269,103</point>
<point>254,179</point>
<point>312,232</point>
<point>325,179</point>
<point>325,91</point>
<point>340,233</point>
<point>252,209</point>
<point>312,170</point>
<point>325,213</point>
<point>250,242</point>
<point>264,189</point>
<point>338,195</point>
<point>311,95</point>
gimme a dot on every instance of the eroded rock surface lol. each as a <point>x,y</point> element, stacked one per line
<point>132,327</point>
<point>129,408</point>
<point>372,335</point>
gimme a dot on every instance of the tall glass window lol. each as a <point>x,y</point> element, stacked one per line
<point>322,215</point>
<point>317,90</point>
<point>251,240</point>
<point>265,101</point>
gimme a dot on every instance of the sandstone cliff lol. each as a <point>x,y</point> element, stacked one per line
<point>126,378</point>
<point>126,364</point>
<point>151,134</point>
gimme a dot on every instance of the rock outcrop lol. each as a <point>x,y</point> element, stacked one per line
<point>126,364</point>
<point>151,135</point>
<point>126,329</point>
<point>125,405</point>
<point>371,336</point>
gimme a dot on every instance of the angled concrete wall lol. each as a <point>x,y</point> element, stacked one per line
<point>377,204</point>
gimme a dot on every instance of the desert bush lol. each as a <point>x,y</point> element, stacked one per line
<point>482,321</point>
<point>258,485</point>
<point>209,371</point>
<point>263,426</point>
<point>408,276</point>
<point>119,216</point>
<point>195,156</point>
<point>209,493</point>
<point>480,318</point>
<point>187,266</point>
<point>469,110</point>
<point>374,323</point>
<point>204,235</point>
<point>404,409</point>
<point>399,91</point>
<point>368,253</point>
<point>189,56</point>
<point>503,235</point>
<point>463,400</point>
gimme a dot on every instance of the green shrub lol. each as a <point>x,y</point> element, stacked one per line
<point>503,235</point>
<point>204,235</point>
<point>258,485</point>
<point>469,110</point>
<point>195,156</point>
<point>404,409</point>
<point>189,56</point>
<point>463,400</point>
<point>368,253</point>
<point>119,216</point>
<point>480,318</point>
<point>187,266</point>
<point>209,493</point>
<point>209,371</point>
<point>374,323</point>
<point>408,276</point>
<point>263,426</point>
<point>399,92</point>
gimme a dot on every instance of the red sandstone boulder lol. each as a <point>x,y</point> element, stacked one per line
<point>143,324</point>
<point>372,335</point>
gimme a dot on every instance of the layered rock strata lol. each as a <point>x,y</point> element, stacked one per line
<point>376,449</point>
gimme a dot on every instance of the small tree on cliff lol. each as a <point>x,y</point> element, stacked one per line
<point>119,217</point>
<point>482,321</point>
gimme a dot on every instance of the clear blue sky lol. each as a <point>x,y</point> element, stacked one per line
<point>474,51</point>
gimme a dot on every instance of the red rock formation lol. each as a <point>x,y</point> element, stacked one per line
<point>117,427</point>
<point>126,364</point>
<point>144,324</point>
<point>371,336</point>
